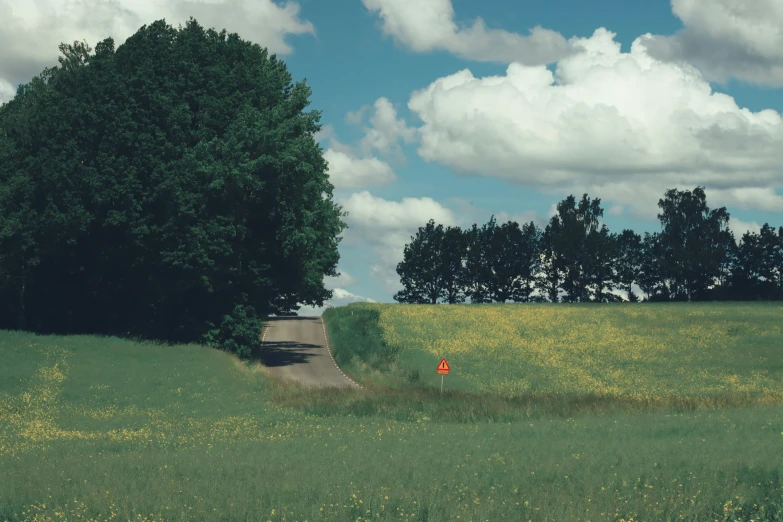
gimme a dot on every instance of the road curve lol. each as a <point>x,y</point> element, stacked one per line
<point>297,348</point>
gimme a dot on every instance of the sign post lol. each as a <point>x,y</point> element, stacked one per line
<point>443,369</point>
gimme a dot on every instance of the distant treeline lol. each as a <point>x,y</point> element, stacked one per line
<point>695,257</point>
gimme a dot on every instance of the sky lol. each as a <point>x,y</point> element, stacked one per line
<point>456,110</point>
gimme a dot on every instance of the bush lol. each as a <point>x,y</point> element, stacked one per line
<point>239,332</point>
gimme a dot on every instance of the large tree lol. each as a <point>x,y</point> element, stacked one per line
<point>421,270</point>
<point>170,188</point>
<point>552,262</point>
<point>571,240</point>
<point>693,243</point>
<point>649,278</point>
<point>600,265</point>
<point>452,264</point>
<point>477,277</point>
<point>526,247</point>
<point>628,262</point>
<point>509,260</point>
<point>758,270</point>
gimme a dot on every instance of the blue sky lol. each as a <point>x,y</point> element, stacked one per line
<point>623,127</point>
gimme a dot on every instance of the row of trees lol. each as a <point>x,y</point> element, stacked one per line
<point>169,189</point>
<point>694,257</point>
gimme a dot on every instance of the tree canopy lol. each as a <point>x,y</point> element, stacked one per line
<point>170,188</point>
<point>575,258</point>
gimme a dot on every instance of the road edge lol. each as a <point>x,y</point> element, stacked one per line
<point>331,355</point>
<point>328,347</point>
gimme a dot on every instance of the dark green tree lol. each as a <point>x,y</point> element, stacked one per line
<point>628,262</point>
<point>772,260</point>
<point>649,278</point>
<point>723,290</point>
<point>552,262</point>
<point>510,260</point>
<point>422,270</point>
<point>452,263</point>
<point>758,272</point>
<point>527,248</point>
<point>171,188</point>
<point>569,255</point>
<point>477,277</point>
<point>693,243</point>
<point>599,265</point>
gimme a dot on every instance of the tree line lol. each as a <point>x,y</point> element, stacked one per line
<point>171,189</point>
<point>694,257</point>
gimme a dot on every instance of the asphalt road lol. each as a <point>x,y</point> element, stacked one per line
<point>297,348</point>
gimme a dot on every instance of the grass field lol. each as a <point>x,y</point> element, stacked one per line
<point>644,350</point>
<point>106,429</point>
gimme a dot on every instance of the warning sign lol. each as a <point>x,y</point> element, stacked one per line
<point>443,367</point>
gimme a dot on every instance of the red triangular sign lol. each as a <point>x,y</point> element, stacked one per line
<point>443,366</point>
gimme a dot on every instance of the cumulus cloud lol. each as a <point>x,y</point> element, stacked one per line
<point>385,129</point>
<point>341,281</point>
<point>626,124</point>
<point>429,25</point>
<point>759,198</point>
<point>341,297</point>
<point>32,30</point>
<point>370,212</point>
<point>467,214</point>
<point>740,227</point>
<point>348,171</point>
<point>384,227</point>
<point>727,39</point>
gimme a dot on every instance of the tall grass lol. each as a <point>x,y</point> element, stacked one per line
<point>107,429</point>
<point>402,381</point>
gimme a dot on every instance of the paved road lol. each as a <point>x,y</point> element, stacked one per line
<point>296,348</point>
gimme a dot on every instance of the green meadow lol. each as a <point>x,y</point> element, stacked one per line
<point>641,351</point>
<point>96,428</point>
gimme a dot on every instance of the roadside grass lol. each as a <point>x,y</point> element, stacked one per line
<point>641,352</point>
<point>97,428</point>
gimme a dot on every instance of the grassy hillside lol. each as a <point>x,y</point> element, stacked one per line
<point>105,429</point>
<point>643,351</point>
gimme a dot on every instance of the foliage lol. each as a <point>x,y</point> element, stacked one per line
<point>695,257</point>
<point>451,264</point>
<point>692,242</point>
<point>421,268</point>
<point>629,261</point>
<point>171,188</point>
<point>237,332</point>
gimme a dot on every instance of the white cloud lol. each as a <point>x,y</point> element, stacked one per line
<point>348,171</point>
<point>760,198</point>
<point>380,215</point>
<point>339,282</point>
<point>32,30</point>
<point>7,91</point>
<point>326,134</point>
<point>384,227</point>
<point>341,297</point>
<point>739,227</point>
<point>387,275</point>
<point>468,214</point>
<point>385,130</point>
<point>429,25</point>
<point>616,122</point>
<point>727,39</point>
